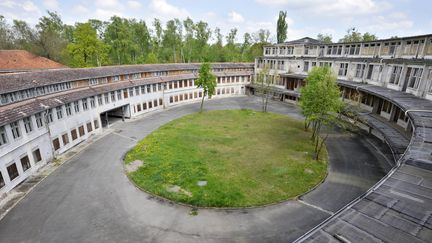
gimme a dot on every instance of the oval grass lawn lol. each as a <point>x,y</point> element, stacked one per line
<point>240,158</point>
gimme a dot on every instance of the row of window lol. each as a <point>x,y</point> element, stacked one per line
<point>12,169</point>
<point>385,48</point>
<point>413,74</point>
<point>147,105</point>
<point>74,134</point>
<point>34,92</point>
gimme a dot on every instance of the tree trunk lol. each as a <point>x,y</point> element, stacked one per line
<point>202,102</point>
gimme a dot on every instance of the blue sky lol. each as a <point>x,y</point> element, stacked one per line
<point>385,18</point>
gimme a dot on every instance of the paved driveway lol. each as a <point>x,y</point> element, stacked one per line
<point>90,199</point>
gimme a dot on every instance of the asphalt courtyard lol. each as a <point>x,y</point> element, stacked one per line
<point>90,199</point>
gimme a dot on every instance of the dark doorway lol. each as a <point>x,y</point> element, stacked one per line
<point>115,115</point>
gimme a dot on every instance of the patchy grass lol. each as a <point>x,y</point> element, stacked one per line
<point>248,158</point>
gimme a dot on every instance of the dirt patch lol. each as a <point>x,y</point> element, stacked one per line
<point>134,165</point>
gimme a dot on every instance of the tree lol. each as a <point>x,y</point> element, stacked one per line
<point>87,50</point>
<point>369,37</point>
<point>325,38</point>
<point>353,35</point>
<point>51,37</point>
<point>207,81</point>
<point>282,27</point>
<point>320,101</point>
<point>264,80</point>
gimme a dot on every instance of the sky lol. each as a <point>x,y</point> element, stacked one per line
<point>384,18</point>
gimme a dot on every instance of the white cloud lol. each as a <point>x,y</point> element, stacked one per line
<point>394,21</point>
<point>107,3</point>
<point>29,6</point>
<point>104,14</point>
<point>235,17</point>
<point>163,10</point>
<point>51,4</point>
<point>331,7</point>
<point>80,9</point>
<point>134,4</point>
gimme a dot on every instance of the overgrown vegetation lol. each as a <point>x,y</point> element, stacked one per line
<point>264,82</point>
<point>320,103</point>
<point>246,157</point>
<point>129,41</point>
<point>207,81</point>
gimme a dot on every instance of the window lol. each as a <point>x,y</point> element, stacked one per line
<point>92,102</point>
<point>74,134</point>
<point>81,131</point>
<point>49,116</point>
<point>115,78</point>
<point>113,97</point>
<point>100,100</point>
<point>106,97</point>
<point>65,139</point>
<point>15,130</point>
<point>25,163</point>
<point>76,106</point>
<point>89,127</point>
<point>56,144</point>
<point>96,124</point>
<point>370,71</point>
<point>131,92</point>
<point>59,112</point>
<point>2,182</point>
<point>343,69</point>
<point>414,78</point>
<point>137,90</point>
<point>154,87</point>
<point>28,124</point>
<point>144,105</point>
<point>12,171</point>
<point>306,67</point>
<point>37,155</point>
<point>125,93</point>
<point>155,104</point>
<point>84,104</point>
<point>119,96</point>
<point>93,81</point>
<point>68,109</point>
<point>395,75</point>
<point>149,88</point>
<point>3,136</point>
<point>39,120</point>
<point>360,70</point>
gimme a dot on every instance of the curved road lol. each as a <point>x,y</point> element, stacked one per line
<point>90,199</point>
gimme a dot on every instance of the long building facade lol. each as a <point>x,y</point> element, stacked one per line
<point>391,82</point>
<point>43,114</point>
<point>401,64</point>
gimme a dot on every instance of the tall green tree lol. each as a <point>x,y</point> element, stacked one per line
<point>6,35</point>
<point>207,81</point>
<point>320,102</point>
<point>282,27</point>
<point>51,37</point>
<point>87,50</point>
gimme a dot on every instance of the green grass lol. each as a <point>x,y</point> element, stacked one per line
<point>248,158</point>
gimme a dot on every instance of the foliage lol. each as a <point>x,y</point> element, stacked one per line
<point>353,35</point>
<point>87,50</point>
<point>131,41</point>
<point>207,81</point>
<point>282,27</point>
<point>325,38</point>
<point>240,169</point>
<point>264,80</point>
<point>320,101</point>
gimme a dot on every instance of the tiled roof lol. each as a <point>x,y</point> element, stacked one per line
<point>21,81</point>
<point>16,111</point>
